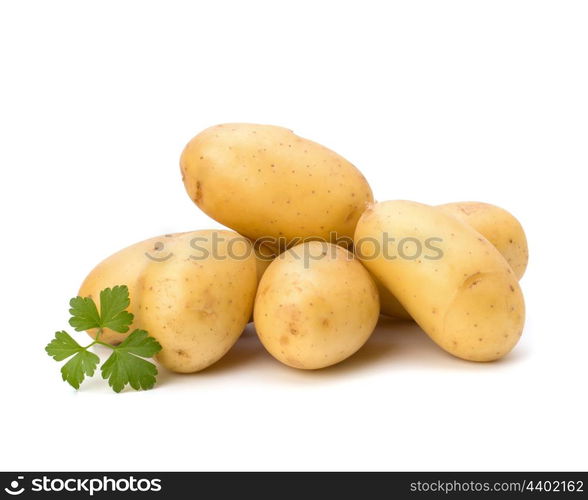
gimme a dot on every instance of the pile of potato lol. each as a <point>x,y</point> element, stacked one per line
<point>315,260</point>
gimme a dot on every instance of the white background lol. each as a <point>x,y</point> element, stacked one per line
<point>433,101</point>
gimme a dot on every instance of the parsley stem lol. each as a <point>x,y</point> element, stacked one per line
<point>98,333</point>
<point>97,341</point>
<point>104,344</point>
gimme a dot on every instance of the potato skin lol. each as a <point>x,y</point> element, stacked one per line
<point>197,309</point>
<point>495,224</point>
<point>314,316</point>
<point>389,305</point>
<point>264,255</point>
<point>123,268</point>
<point>468,301</point>
<point>263,258</point>
<point>498,226</point>
<point>265,181</point>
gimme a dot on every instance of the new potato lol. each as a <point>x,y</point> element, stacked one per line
<point>495,224</point>
<point>193,292</point>
<point>498,226</point>
<point>124,268</point>
<point>265,181</point>
<point>198,304</point>
<point>316,305</point>
<point>468,301</point>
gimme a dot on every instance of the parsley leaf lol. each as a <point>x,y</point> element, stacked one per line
<point>84,315</point>
<point>62,346</point>
<point>113,302</point>
<point>141,344</point>
<point>82,363</point>
<point>124,366</point>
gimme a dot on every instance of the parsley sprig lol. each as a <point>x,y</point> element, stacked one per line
<point>126,365</point>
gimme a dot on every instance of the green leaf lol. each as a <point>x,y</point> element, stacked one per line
<point>141,344</point>
<point>126,365</point>
<point>123,368</point>
<point>62,346</point>
<point>113,302</point>
<point>83,363</point>
<point>84,315</point>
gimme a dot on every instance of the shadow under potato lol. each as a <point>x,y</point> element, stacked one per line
<point>248,349</point>
<point>394,343</point>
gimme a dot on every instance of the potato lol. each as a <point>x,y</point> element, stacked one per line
<point>389,305</point>
<point>192,291</point>
<point>264,255</point>
<point>263,258</point>
<point>197,306</point>
<point>265,181</point>
<point>124,268</point>
<point>316,305</point>
<point>498,226</point>
<point>495,224</point>
<point>464,294</point>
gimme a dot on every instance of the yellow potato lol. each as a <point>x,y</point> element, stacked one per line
<point>197,306</point>
<point>263,258</point>
<point>498,226</point>
<point>265,181</point>
<point>464,295</point>
<point>316,305</point>
<point>495,224</point>
<point>389,305</point>
<point>264,255</point>
<point>124,268</point>
<point>192,291</point>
